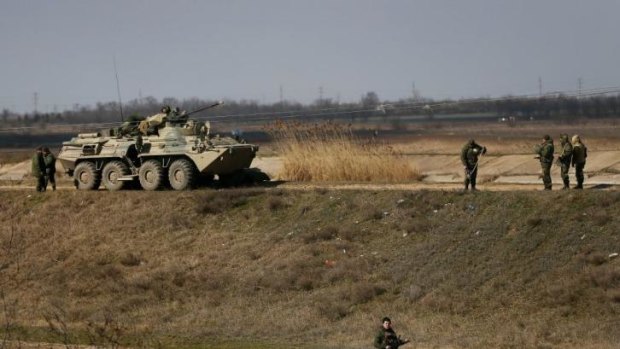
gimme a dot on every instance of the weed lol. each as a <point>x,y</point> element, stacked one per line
<point>130,260</point>
<point>323,234</point>
<point>596,258</point>
<point>413,293</point>
<point>363,292</point>
<point>275,203</point>
<point>533,222</point>
<point>330,152</point>
<point>605,277</point>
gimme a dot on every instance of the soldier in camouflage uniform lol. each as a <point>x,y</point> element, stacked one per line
<point>469,157</point>
<point>565,159</point>
<point>38,169</point>
<point>386,337</point>
<point>580,153</point>
<point>151,124</point>
<point>50,168</point>
<point>545,153</point>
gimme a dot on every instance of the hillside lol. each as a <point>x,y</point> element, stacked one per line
<point>274,268</point>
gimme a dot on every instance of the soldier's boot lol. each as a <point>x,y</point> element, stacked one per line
<point>566,184</point>
<point>466,184</point>
<point>579,185</point>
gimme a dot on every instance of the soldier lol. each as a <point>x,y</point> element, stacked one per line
<point>50,168</point>
<point>545,154</point>
<point>565,159</point>
<point>580,153</point>
<point>130,127</point>
<point>152,122</point>
<point>177,116</point>
<point>38,169</point>
<point>469,158</point>
<point>386,337</point>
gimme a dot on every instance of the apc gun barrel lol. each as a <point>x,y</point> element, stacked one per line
<point>205,108</point>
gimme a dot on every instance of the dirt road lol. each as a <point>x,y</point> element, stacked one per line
<point>439,172</point>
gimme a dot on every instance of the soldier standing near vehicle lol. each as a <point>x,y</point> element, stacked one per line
<point>580,153</point>
<point>469,157</point>
<point>565,159</point>
<point>545,153</point>
<point>38,169</point>
<point>386,337</point>
<point>50,168</point>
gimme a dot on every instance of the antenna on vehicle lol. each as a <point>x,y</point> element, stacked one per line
<point>118,90</point>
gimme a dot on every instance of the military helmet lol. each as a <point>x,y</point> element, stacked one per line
<point>564,137</point>
<point>546,137</point>
<point>165,109</point>
<point>576,139</point>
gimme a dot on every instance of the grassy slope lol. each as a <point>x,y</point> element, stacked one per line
<point>276,267</point>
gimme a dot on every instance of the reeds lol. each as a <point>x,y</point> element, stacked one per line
<point>329,152</point>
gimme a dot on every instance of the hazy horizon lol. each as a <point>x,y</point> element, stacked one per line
<point>64,50</point>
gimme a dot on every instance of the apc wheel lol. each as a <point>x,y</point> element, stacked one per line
<point>151,175</point>
<point>181,174</point>
<point>111,172</point>
<point>86,176</point>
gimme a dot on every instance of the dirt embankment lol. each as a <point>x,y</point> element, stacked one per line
<point>293,268</point>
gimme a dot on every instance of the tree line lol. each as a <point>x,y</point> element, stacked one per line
<point>369,105</point>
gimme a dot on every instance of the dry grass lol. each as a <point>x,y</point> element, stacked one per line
<point>329,152</point>
<point>255,268</point>
<point>11,156</point>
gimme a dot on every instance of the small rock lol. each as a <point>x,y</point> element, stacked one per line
<point>435,211</point>
<point>400,201</point>
<point>583,236</point>
<point>613,255</point>
<point>477,232</point>
<point>405,235</point>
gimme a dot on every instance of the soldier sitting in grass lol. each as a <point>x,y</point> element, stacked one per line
<point>386,338</point>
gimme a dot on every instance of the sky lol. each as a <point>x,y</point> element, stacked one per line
<point>64,50</point>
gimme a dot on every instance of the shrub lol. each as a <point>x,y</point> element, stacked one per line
<point>363,292</point>
<point>596,258</point>
<point>220,201</point>
<point>130,260</point>
<point>533,222</point>
<point>275,203</point>
<point>605,277</point>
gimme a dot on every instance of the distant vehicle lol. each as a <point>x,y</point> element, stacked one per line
<point>177,153</point>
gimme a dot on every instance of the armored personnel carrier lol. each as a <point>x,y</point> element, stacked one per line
<point>160,150</point>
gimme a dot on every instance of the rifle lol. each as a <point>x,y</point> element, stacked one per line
<point>204,108</point>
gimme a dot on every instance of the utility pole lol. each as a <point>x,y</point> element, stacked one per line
<point>579,86</point>
<point>320,94</point>
<point>36,102</point>
<point>539,86</point>
<point>281,95</point>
